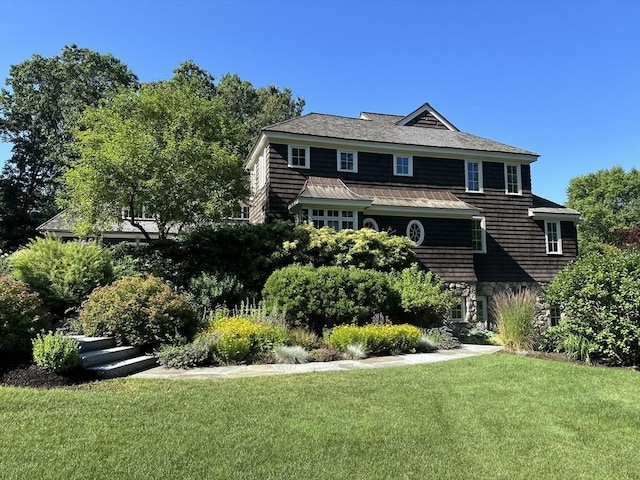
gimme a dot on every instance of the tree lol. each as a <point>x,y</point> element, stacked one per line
<point>38,111</point>
<point>608,201</point>
<point>160,148</point>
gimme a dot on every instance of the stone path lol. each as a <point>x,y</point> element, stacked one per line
<point>279,369</point>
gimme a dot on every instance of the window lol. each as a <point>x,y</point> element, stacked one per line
<point>403,165</point>
<point>555,314</point>
<point>457,312</point>
<point>336,219</point>
<point>473,173</point>
<point>512,180</point>
<point>481,310</point>
<point>242,213</point>
<point>370,223</point>
<point>478,235</point>
<point>298,156</point>
<point>553,237</point>
<point>415,232</point>
<point>139,213</point>
<point>347,161</point>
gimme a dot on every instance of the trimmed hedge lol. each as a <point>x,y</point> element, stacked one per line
<point>55,352</point>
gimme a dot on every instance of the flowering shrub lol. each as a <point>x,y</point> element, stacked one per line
<point>377,339</point>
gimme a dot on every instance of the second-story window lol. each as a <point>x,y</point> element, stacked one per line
<point>553,237</point>
<point>478,235</point>
<point>347,161</point>
<point>403,165</point>
<point>473,173</point>
<point>512,179</point>
<point>298,156</point>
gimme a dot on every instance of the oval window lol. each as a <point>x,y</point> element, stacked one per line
<point>415,232</point>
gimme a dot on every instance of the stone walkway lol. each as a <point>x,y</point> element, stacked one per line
<point>279,369</point>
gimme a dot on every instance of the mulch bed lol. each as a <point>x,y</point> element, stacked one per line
<point>20,372</point>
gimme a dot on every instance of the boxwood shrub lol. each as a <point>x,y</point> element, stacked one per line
<point>56,352</point>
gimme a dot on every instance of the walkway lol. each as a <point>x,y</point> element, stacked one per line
<point>279,369</point>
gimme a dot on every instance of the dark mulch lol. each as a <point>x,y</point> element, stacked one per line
<point>21,372</point>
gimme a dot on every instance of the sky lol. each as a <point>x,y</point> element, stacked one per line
<point>557,77</point>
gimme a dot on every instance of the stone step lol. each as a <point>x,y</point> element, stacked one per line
<point>107,355</point>
<point>88,344</point>
<point>122,368</point>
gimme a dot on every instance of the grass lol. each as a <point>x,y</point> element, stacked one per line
<point>489,417</point>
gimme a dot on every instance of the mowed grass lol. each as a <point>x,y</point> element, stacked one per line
<point>495,416</point>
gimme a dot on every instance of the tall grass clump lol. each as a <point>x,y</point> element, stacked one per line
<point>515,312</point>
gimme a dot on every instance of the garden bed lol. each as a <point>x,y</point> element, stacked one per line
<point>24,373</point>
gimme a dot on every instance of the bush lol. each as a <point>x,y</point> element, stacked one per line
<point>442,338</point>
<point>156,259</point>
<point>599,296</point>
<point>316,298</point>
<point>139,311</point>
<point>55,352</point>
<point>5,268</point>
<point>291,354</point>
<point>198,353</point>
<point>377,339</point>
<point>62,273</point>
<point>22,316</point>
<point>212,290</point>
<point>301,337</point>
<point>515,312</point>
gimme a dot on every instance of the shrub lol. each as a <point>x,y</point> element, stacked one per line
<point>515,312</point>
<point>377,339</point>
<point>291,354</point>
<point>55,352</point>
<point>301,337</point>
<point>577,347</point>
<point>442,338</point>
<point>325,353</point>
<point>5,268</point>
<point>355,351</point>
<point>156,259</point>
<point>316,298</point>
<point>198,353</point>
<point>212,290</point>
<point>139,311</point>
<point>599,295</point>
<point>62,273</point>
<point>426,344</point>
<point>22,315</point>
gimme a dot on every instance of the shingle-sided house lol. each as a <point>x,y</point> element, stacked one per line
<point>465,201</point>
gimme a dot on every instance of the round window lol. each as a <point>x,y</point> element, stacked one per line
<point>415,232</point>
<point>370,223</point>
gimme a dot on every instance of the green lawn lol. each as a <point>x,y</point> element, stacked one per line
<point>495,416</point>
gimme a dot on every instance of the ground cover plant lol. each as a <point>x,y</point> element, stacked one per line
<point>489,417</point>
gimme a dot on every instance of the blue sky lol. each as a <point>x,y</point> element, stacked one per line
<point>558,77</point>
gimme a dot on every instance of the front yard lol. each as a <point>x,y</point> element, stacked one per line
<point>495,416</point>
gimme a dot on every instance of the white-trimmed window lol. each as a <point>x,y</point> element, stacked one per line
<point>415,232</point>
<point>553,237</point>
<point>336,219</point>
<point>512,179</point>
<point>473,176</point>
<point>458,311</point>
<point>347,161</point>
<point>481,310</point>
<point>370,223</point>
<point>139,213</point>
<point>478,235</point>
<point>403,165</point>
<point>298,156</point>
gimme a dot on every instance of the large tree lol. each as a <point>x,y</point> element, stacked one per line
<point>38,111</point>
<point>162,147</point>
<point>608,201</point>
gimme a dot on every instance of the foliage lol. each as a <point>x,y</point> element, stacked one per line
<point>144,259</point>
<point>514,311</point>
<point>291,354</point>
<point>365,248</point>
<point>326,296</point>
<point>608,201</point>
<point>483,337</point>
<point>628,237</point>
<point>139,311</point>
<point>426,344</point>
<point>577,347</point>
<point>424,299</point>
<point>200,352</point>
<point>325,353</point>
<point>301,337</point>
<point>5,267</point>
<point>38,109</point>
<point>211,290</point>
<point>377,339</point>
<point>355,351</point>
<point>599,295</point>
<point>442,338</point>
<point>62,273</point>
<point>56,352</point>
<point>22,315</point>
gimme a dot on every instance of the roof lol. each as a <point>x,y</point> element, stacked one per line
<point>381,117</point>
<point>546,208</point>
<point>63,223</point>
<point>328,188</point>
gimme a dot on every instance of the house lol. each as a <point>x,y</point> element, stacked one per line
<point>465,201</point>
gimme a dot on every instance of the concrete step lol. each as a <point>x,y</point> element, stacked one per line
<point>107,355</point>
<point>88,344</point>
<point>122,368</point>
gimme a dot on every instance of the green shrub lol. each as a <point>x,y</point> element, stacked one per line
<point>212,290</point>
<point>515,312</point>
<point>62,273</point>
<point>316,298</point>
<point>377,339</point>
<point>301,337</point>
<point>158,259</point>
<point>325,353</point>
<point>200,352</point>
<point>22,315</point>
<point>5,268</point>
<point>139,311</point>
<point>599,295</point>
<point>55,352</point>
<point>577,347</point>
<point>442,338</point>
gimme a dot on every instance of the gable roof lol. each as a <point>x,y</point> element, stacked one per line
<point>426,115</point>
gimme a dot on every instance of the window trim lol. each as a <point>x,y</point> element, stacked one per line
<point>420,227</point>
<point>355,160</point>
<point>519,178</point>
<point>340,218</point>
<point>375,224</point>
<point>463,310</point>
<point>466,176</point>
<point>307,156</point>
<point>395,165</point>
<point>483,229</point>
<point>485,309</point>
<point>558,225</point>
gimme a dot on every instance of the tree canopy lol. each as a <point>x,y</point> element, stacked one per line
<point>609,202</point>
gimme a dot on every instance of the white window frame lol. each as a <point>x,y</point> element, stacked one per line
<point>463,310</point>
<point>519,178</point>
<point>417,223</point>
<point>484,310</point>
<point>339,161</point>
<point>307,157</point>
<point>350,217</point>
<point>466,176</point>
<point>373,222</point>
<point>409,166</point>
<point>483,233</point>
<point>548,241</point>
